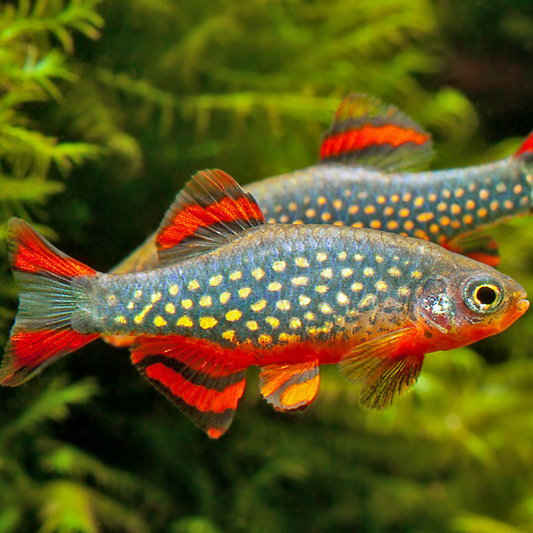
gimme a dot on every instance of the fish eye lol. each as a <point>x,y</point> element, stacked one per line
<point>483,296</point>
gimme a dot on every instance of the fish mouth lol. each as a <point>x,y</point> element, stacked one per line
<point>522,306</point>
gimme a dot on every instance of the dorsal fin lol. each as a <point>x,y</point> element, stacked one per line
<point>526,147</point>
<point>367,132</point>
<point>210,211</point>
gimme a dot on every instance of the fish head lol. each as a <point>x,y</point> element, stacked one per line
<point>469,304</point>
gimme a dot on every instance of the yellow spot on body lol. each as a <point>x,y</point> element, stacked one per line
<point>186,304</point>
<point>321,200</point>
<point>225,297</point>
<point>369,299</point>
<point>381,199</point>
<point>381,286</point>
<point>283,219</point>
<point>407,197</point>
<point>338,223</point>
<point>508,204</point>
<point>295,323</point>
<point>468,219</point>
<point>501,187</point>
<point>301,262</point>
<point>368,271</point>
<point>309,316</point>
<point>321,289</point>
<point>229,335</point>
<point>446,193</point>
<point>159,321</point>
<point>395,198</point>
<point>434,228</point>
<point>337,204</point>
<point>252,325</point>
<point>264,339</point>
<point>258,273</point>
<point>304,300</point>
<point>470,204</point>
<point>310,213</point>
<point>358,257</point>
<point>327,273</point>
<point>442,206</point>
<point>388,211</point>
<point>131,305</point>
<point>425,217</point>
<point>357,225</point>
<point>421,234</point>
<point>353,209</point>
<point>245,292</point>
<point>395,272</point>
<point>285,337</point>
<point>205,301</point>
<point>140,317</point>
<point>293,206</point>
<point>409,225</point>
<point>298,221</point>
<point>455,209</point>
<point>517,189</point>
<point>432,197</point>
<point>139,293</point>
<point>300,280</point>
<point>456,224</point>
<point>404,212</point>
<point>173,290</point>
<point>215,280</point>
<point>184,321</point>
<point>342,298</point>
<point>378,259</point>
<point>207,322</point>
<point>170,309</point>
<point>156,296</point>
<point>111,300</point>
<point>482,212</point>
<point>494,205</point>
<point>272,321</point>
<point>279,266</point>
<point>193,285</point>
<point>416,274</point>
<point>274,286</point>
<point>445,221</point>
<point>283,305</point>
<point>419,201</point>
<point>234,276</point>
<point>404,291</point>
<point>325,308</point>
<point>342,256</point>
<point>392,225</point>
<point>370,209</point>
<point>357,286</point>
<point>233,315</point>
<point>459,192</point>
<point>121,319</point>
<point>321,256</point>
<point>346,272</point>
<point>326,217</point>
<point>375,224</point>
<point>259,305</point>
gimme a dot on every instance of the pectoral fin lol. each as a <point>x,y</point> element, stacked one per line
<point>290,387</point>
<point>384,367</point>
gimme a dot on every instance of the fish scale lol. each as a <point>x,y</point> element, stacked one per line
<point>365,179</point>
<point>232,291</point>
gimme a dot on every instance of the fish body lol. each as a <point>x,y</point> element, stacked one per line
<point>364,179</point>
<point>232,291</point>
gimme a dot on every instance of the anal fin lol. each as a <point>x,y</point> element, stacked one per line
<point>384,367</point>
<point>290,387</point>
<point>205,385</point>
<point>477,246</point>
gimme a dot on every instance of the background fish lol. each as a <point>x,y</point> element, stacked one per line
<point>360,182</point>
<point>232,292</point>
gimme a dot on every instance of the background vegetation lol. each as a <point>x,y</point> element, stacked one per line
<point>106,109</point>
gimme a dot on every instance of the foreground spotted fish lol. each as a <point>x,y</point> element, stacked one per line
<point>232,292</point>
<point>361,182</point>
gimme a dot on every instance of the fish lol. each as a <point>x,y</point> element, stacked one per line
<point>365,178</point>
<point>232,291</point>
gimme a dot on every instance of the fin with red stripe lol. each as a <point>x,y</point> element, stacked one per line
<point>290,387</point>
<point>195,376</point>
<point>477,246</point>
<point>384,367</point>
<point>526,149</point>
<point>49,303</point>
<point>367,132</point>
<point>210,211</point>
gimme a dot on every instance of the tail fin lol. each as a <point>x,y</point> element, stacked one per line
<point>42,332</point>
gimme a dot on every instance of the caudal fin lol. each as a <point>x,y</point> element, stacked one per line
<point>43,331</point>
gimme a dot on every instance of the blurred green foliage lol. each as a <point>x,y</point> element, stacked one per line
<point>131,98</point>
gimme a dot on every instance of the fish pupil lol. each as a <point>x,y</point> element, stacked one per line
<point>486,295</point>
